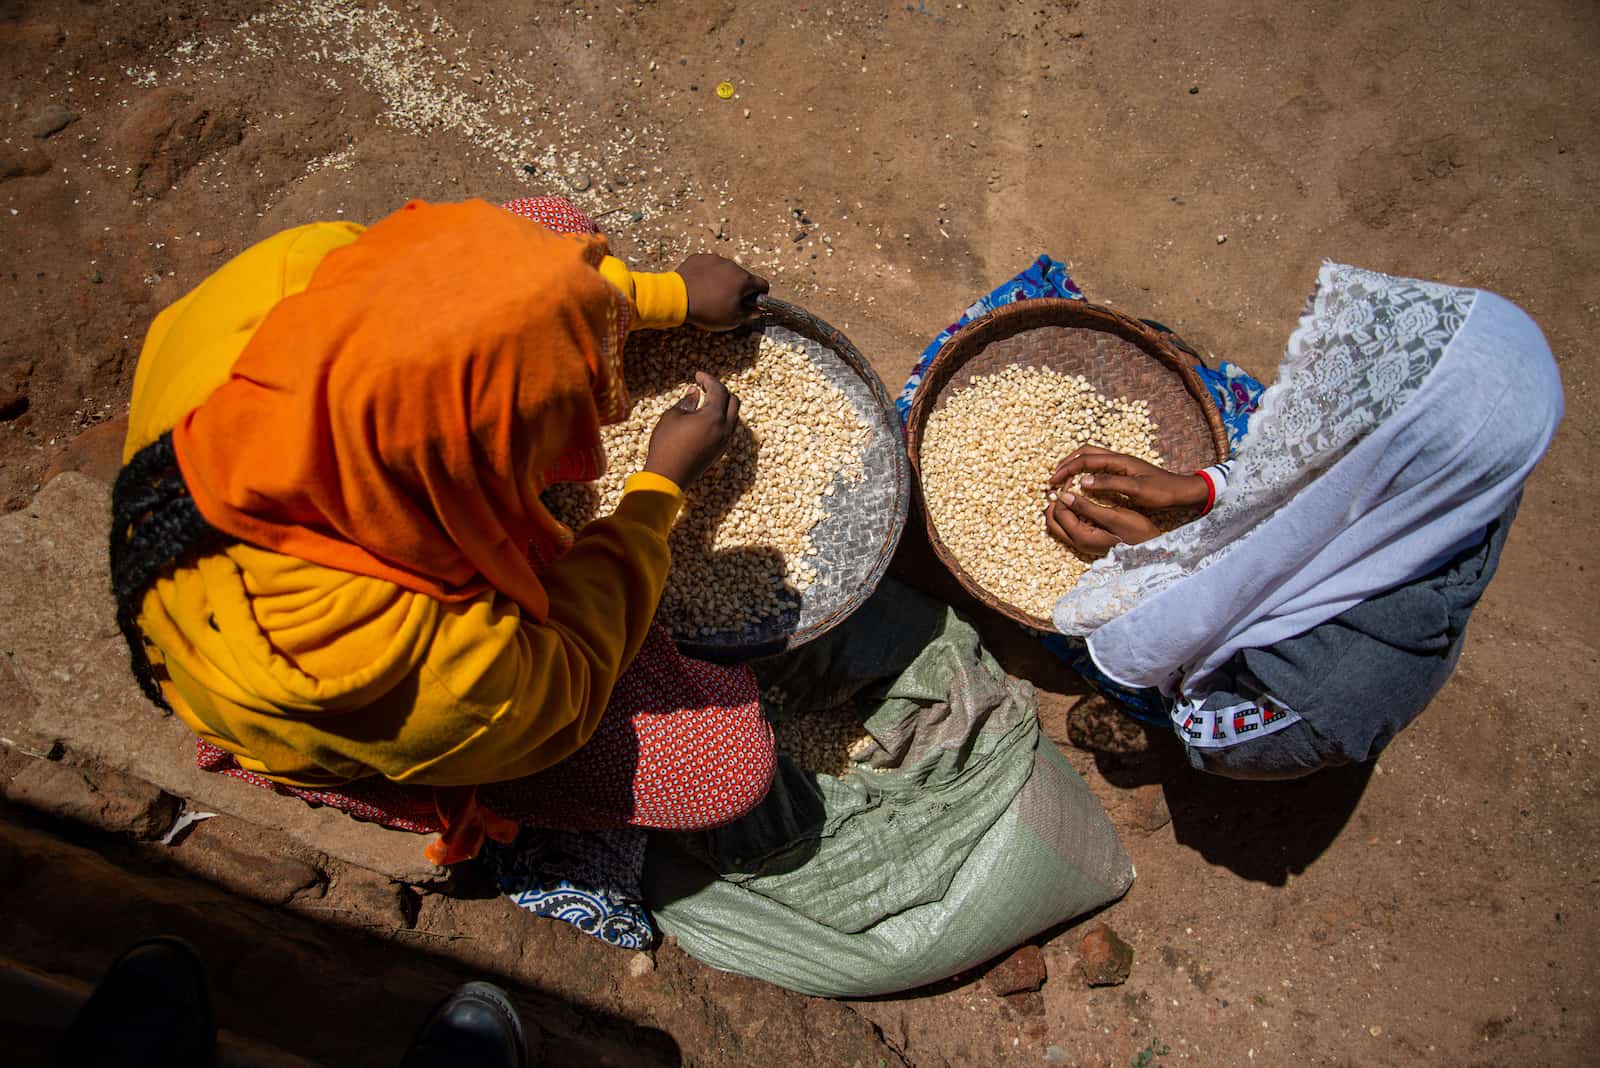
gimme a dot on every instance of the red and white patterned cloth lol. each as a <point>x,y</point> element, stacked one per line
<point>553,213</point>
<point>683,745</point>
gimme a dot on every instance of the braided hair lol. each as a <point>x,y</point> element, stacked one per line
<point>155,525</point>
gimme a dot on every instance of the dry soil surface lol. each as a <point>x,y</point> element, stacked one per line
<point>884,164</point>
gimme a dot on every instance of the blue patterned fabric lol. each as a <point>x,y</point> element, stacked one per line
<point>590,879</point>
<point>1234,392</point>
<point>1147,706</point>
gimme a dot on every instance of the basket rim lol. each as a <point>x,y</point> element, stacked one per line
<point>1000,323</point>
<point>775,312</point>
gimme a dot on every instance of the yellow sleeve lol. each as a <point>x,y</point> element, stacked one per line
<point>660,301</point>
<point>543,692</point>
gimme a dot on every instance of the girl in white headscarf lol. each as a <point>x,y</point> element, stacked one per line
<point>1319,604</point>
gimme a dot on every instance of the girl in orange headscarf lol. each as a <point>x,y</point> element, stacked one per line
<point>330,556</point>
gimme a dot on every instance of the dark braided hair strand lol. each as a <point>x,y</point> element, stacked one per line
<point>155,525</point>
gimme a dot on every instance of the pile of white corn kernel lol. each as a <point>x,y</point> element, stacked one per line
<point>742,549</point>
<point>987,456</point>
<point>826,741</point>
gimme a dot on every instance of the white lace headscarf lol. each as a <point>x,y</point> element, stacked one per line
<point>1405,418</point>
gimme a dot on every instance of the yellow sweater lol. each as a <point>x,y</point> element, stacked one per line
<point>315,677</point>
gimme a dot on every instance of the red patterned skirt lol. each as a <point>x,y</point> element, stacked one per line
<point>682,745</point>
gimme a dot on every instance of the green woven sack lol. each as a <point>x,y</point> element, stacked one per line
<point>970,834</point>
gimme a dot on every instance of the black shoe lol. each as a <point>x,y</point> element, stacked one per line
<point>151,1009</point>
<point>475,1027</point>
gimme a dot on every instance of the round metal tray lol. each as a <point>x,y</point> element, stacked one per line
<point>865,519</point>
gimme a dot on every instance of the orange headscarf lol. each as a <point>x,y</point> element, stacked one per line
<point>400,416</point>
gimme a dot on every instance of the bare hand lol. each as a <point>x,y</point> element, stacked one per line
<point>722,295</point>
<point>691,434</point>
<point>1144,484</point>
<point>1079,523</point>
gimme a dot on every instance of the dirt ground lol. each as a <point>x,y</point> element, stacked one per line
<point>884,164</point>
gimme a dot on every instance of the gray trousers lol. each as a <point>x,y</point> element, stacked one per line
<point>1359,678</point>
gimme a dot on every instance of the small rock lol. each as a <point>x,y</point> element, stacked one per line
<point>51,120</point>
<point>1106,959</point>
<point>1056,1055</point>
<point>641,964</point>
<point>1222,239</point>
<point>620,181</point>
<point>1150,811</point>
<point>17,162</point>
<point>578,182</point>
<point>103,799</point>
<point>97,453</point>
<point>213,247</point>
<point>636,216</point>
<point>1194,90</point>
<point>1023,970</point>
<point>216,850</point>
<point>96,278</point>
<point>528,168</point>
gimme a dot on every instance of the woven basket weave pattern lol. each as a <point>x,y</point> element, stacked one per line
<point>1118,355</point>
<point>865,519</point>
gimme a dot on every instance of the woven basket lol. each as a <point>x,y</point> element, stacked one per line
<point>865,519</point>
<point>1124,358</point>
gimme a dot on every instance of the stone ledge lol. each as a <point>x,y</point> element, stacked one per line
<point>70,685</point>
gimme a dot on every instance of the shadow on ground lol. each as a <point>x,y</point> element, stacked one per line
<point>281,983</point>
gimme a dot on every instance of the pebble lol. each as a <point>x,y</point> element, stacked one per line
<point>1150,811</point>
<point>51,120</point>
<point>1023,970</point>
<point>1105,958</point>
<point>578,182</point>
<point>1222,239</point>
<point>1194,90</point>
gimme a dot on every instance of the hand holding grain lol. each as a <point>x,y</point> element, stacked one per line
<point>691,434</point>
<point>1144,484</point>
<point>1095,529</point>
